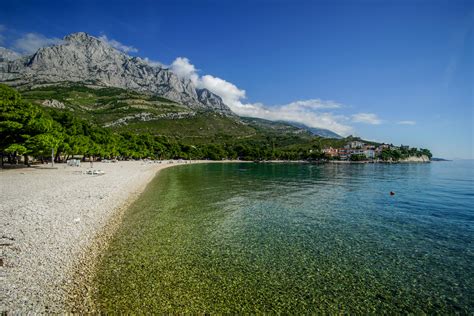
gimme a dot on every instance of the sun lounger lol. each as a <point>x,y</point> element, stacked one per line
<point>95,172</point>
<point>74,162</point>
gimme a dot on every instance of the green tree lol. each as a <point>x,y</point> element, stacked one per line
<point>25,128</point>
<point>358,157</point>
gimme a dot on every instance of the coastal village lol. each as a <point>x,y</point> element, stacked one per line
<point>360,151</point>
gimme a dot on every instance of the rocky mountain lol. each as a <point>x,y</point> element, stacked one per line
<point>89,60</point>
<point>7,54</point>
<point>210,99</point>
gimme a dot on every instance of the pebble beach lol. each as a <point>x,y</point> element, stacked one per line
<point>50,217</point>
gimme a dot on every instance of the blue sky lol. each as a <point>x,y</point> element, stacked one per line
<point>393,71</point>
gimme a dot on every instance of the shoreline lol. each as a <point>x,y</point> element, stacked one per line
<point>54,223</point>
<point>78,288</point>
<point>79,291</point>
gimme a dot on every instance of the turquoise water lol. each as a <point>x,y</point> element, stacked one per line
<point>296,238</point>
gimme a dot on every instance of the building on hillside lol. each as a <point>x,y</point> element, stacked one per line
<point>369,153</point>
<point>358,151</point>
<point>354,144</point>
<point>332,152</point>
<point>344,153</point>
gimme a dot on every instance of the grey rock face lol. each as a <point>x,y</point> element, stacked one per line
<point>53,104</point>
<point>7,54</point>
<point>145,116</point>
<point>212,101</point>
<point>84,58</point>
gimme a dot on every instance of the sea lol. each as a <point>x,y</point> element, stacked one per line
<point>296,238</point>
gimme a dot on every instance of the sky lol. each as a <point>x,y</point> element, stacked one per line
<point>399,72</point>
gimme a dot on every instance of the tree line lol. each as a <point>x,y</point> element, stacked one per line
<point>403,153</point>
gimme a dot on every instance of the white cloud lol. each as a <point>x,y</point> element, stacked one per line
<point>31,42</point>
<point>314,104</point>
<point>367,118</point>
<point>303,111</point>
<point>230,94</point>
<point>406,122</point>
<point>185,70</point>
<point>117,45</point>
<point>153,63</point>
<point>300,114</point>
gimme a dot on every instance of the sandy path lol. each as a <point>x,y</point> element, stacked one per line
<point>49,217</point>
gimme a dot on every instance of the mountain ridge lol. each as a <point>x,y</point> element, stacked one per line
<point>80,57</point>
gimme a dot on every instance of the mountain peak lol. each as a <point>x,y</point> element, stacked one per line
<point>84,58</point>
<point>84,40</point>
<point>79,37</point>
<point>213,101</point>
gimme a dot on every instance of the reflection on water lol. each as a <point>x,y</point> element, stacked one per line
<point>296,238</point>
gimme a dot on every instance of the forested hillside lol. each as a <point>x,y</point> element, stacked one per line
<point>73,124</point>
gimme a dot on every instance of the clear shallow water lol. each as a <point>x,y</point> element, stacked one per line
<point>296,238</point>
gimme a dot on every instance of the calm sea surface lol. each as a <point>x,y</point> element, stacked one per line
<point>296,238</point>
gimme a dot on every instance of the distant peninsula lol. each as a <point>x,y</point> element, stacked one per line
<point>439,159</point>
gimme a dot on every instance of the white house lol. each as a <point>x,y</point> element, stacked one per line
<point>355,144</point>
<point>369,153</point>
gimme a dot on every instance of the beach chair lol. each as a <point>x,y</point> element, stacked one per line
<point>74,163</point>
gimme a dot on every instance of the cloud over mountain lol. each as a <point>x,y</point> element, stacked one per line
<point>31,42</point>
<point>117,45</point>
<point>184,69</point>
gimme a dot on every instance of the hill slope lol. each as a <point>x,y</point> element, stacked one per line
<point>129,111</point>
<point>316,131</point>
